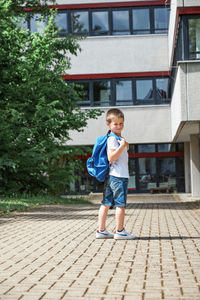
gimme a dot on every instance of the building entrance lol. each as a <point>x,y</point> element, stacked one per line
<point>150,166</point>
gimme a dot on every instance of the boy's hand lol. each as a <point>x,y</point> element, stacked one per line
<point>124,143</point>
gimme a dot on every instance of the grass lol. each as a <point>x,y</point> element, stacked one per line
<point>23,203</point>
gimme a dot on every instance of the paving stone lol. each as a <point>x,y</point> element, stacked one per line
<point>51,253</point>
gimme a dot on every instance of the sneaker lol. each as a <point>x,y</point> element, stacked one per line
<point>123,235</point>
<point>104,234</point>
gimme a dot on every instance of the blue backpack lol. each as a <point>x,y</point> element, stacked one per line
<point>98,164</point>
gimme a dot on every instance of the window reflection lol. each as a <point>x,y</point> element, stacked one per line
<point>167,172</point>
<point>83,90</point>
<point>141,21</point>
<point>21,22</point>
<point>79,22</point>
<point>162,88</point>
<point>147,173</point>
<point>100,22</point>
<point>194,38</point>
<point>61,22</point>
<point>101,91</point>
<point>121,22</point>
<point>37,24</point>
<point>144,89</point>
<point>132,174</point>
<point>161,19</point>
<point>124,92</point>
<point>146,148</point>
<point>166,147</point>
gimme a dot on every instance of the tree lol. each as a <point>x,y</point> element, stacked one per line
<point>37,107</point>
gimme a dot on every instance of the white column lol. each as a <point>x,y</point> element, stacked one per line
<point>195,165</point>
<point>187,167</point>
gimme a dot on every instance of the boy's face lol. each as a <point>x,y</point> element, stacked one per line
<point>116,125</point>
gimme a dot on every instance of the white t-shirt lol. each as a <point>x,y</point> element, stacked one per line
<point>118,168</point>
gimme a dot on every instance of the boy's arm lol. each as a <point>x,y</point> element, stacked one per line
<point>113,154</point>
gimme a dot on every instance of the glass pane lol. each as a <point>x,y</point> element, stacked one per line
<point>167,172</point>
<point>83,89</point>
<point>161,19</point>
<point>124,92</point>
<point>141,20</point>
<point>194,38</point>
<point>166,147</point>
<point>146,148</point>
<point>132,174</point>
<point>100,22</point>
<point>79,21</point>
<point>101,93</point>
<point>121,22</point>
<point>162,88</point>
<point>144,89</point>
<point>131,148</point>
<point>21,22</point>
<point>37,24</point>
<point>61,22</point>
<point>180,147</point>
<point>147,173</point>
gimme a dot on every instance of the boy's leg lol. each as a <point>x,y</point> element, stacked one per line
<point>102,233</point>
<point>120,214</point>
<point>103,211</point>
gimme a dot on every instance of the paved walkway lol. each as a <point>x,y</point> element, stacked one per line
<point>51,253</point>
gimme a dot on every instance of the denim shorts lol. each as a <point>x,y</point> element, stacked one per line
<point>115,191</point>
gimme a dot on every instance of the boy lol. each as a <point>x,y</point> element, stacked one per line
<point>117,182</point>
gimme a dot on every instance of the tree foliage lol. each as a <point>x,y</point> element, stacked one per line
<point>37,107</point>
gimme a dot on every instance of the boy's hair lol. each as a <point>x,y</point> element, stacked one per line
<point>114,113</point>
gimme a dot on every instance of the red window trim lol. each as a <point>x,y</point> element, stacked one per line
<point>107,4</point>
<point>156,154</point>
<point>116,75</point>
<point>142,155</point>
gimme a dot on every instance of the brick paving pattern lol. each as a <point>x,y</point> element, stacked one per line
<point>51,253</point>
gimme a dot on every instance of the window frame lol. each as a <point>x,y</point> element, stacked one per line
<point>110,11</point>
<point>134,101</point>
<point>185,36</point>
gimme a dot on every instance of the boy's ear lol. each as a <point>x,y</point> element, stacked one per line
<point>107,123</point>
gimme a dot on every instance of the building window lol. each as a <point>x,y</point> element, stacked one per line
<point>83,88</point>
<point>112,21</point>
<point>161,19</point>
<point>146,148</point>
<point>162,89</point>
<point>121,24</point>
<point>61,23</point>
<point>141,21</point>
<point>124,92</point>
<point>150,165</point>
<point>144,90</point>
<point>79,22</point>
<point>101,92</point>
<point>194,38</point>
<point>100,23</point>
<point>37,24</point>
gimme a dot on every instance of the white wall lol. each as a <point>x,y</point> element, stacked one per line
<point>143,124</point>
<point>185,104</point>
<point>116,54</point>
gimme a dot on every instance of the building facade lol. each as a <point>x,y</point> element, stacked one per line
<point>142,56</point>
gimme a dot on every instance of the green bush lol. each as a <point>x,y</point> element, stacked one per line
<point>37,107</point>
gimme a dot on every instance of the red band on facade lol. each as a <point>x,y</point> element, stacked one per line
<point>108,4</point>
<point>142,155</point>
<point>115,75</point>
<point>156,154</point>
<point>188,10</point>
